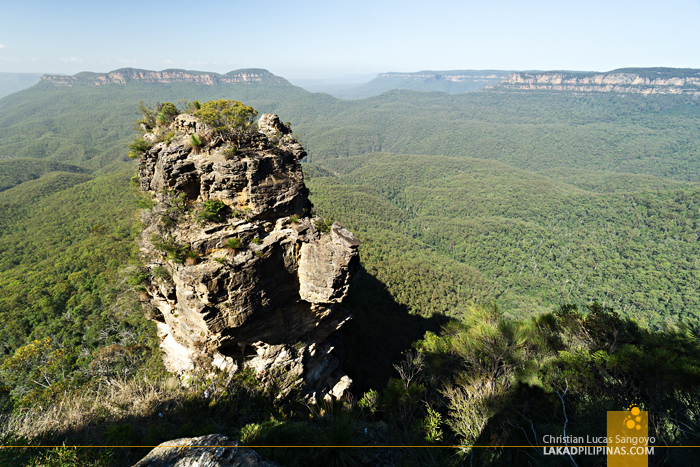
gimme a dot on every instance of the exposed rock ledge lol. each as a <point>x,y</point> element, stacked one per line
<point>204,451</point>
<point>260,287</point>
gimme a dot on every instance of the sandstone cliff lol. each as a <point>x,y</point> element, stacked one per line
<point>241,276</point>
<point>664,81</point>
<point>130,75</point>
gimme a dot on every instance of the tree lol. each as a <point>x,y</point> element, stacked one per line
<point>162,114</point>
<point>37,367</point>
<point>229,118</point>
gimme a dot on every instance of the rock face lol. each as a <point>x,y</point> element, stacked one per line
<point>132,75</point>
<point>663,81</point>
<point>240,275</point>
<point>204,451</point>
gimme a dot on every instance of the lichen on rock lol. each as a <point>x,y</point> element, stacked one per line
<point>240,275</point>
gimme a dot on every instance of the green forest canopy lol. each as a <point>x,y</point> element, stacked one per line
<point>532,199</point>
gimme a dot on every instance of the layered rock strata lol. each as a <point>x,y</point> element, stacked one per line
<point>240,275</point>
<point>133,75</point>
<point>615,82</point>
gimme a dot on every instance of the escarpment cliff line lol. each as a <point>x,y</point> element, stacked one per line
<point>486,76</point>
<point>644,81</point>
<point>133,75</point>
<point>240,274</point>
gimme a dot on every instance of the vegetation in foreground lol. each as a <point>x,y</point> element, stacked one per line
<point>483,380</point>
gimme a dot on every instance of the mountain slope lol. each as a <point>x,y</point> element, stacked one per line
<point>580,145</point>
<point>539,242</point>
<point>91,125</point>
<point>656,135</point>
<point>13,82</point>
<point>451,82</point>
<point>16,171</point>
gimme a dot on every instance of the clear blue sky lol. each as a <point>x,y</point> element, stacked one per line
<point>315,39</point>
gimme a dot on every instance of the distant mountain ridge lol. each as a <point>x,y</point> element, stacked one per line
<point>129,75</point>
<point>623,80</point>
<point>451,82</point>
<point>13,82</point>
<point>454,76</point>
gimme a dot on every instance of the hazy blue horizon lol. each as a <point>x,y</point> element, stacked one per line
<point>320,40</point>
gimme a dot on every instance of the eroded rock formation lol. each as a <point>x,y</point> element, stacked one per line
<point>241,275</point>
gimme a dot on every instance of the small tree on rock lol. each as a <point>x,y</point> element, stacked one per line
<point>229,118</point>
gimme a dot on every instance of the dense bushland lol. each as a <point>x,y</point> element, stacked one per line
<point>535,242</point>
<point>645,135</point>
<point>442,237</point>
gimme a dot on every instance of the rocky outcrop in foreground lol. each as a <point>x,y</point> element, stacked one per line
<point>204,451</point>
<point>241,276</point>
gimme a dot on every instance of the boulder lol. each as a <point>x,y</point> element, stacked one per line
<point>204,451</point>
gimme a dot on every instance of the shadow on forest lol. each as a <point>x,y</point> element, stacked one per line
<point>381,329</point>
<point>120,441</point>
<point>368,346</point>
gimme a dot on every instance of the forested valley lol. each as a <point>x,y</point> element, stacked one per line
<point>529,261</point>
